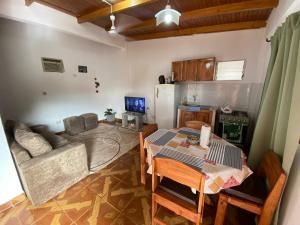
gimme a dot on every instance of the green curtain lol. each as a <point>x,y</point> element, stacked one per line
<point>278,122</point>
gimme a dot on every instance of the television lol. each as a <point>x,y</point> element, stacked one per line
<point>135,104</point>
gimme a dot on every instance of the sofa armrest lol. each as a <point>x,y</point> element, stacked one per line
<point>49,174</point>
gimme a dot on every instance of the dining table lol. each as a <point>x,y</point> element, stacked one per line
<point>223,164</point>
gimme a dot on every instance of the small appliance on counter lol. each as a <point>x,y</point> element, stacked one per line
<point>233,126</point>
<point>161,79</point>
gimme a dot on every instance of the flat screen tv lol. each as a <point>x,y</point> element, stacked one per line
<point>135,104</point>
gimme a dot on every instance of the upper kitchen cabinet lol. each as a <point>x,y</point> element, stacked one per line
<point>190,70</point>
<point>177,68</point>
<point>194,70</point>
<point>206,69</point>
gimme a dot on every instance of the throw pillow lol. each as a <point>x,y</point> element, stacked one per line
<point>34,143</point>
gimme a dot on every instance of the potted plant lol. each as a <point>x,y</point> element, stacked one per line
<point>110,115</point>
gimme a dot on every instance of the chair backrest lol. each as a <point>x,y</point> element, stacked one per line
<point>271,169</point>
<point>195,124</point>
<point>148,130</point>
<point>181,173</point>
<point>178,172</point>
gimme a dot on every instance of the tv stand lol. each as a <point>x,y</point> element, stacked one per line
<point>132,120</point>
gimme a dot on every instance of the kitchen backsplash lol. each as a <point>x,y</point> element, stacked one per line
<point>240,96</point>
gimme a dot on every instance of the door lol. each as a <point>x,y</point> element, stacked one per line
<point>177,70</point>
<point>206,69</point>
<point>186,116</point>
<point>164,106</point>
<point>204,116</point>
<point>191,70</point>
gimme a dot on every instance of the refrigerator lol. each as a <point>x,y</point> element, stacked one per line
<point>167,98</point>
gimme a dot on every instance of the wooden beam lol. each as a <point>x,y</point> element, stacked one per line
<point>213,11</point>
<point>203,29</point>
<point>28,2</point>
<point>118,7</point>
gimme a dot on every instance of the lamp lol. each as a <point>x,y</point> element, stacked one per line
<point>167,15</point>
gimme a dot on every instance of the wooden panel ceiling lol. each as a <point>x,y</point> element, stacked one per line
<point>198,16</point>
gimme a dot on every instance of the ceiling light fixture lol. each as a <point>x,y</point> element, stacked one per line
<point>112,18</point>
<point>167,16</point>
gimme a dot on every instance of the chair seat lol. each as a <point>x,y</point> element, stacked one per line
<point>253,189</point>
<point>179,190</point>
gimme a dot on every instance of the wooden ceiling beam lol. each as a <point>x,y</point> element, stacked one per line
<point>203,29</point>
<point>116,8</point>
<point>28,2</point>
<point>213,11</point>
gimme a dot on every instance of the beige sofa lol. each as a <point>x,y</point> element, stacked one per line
<point>45,175</point>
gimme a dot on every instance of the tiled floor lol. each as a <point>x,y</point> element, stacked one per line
<point>114,195</point>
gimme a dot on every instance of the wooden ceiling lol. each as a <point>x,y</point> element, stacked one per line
<point>198,16</point>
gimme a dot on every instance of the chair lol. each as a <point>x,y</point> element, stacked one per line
<point>270,169</point>
<point>195,124</point>
<point>147,130</point>
<point>174,190</point>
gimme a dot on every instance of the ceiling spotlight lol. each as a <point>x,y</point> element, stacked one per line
<point>167,15</point>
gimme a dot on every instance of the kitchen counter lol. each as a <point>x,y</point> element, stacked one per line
<point>195,107</point>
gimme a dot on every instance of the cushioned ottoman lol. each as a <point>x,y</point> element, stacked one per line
<point>90,120</point>
<point>74,125</point>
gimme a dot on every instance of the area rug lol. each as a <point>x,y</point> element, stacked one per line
<point>105,144</point>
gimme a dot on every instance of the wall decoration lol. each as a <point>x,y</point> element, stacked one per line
<point>97,85</point>
<point>82,69</point>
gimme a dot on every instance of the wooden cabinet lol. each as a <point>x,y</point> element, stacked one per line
<point>203,115</point>
<point>194,70</point>
<point>177,68</point>
<point>206,69</point>
<point>190,70</point>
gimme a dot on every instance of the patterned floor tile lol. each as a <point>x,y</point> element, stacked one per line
<point>111,196</point>
<point>102,213</point>
<point>77,205</point>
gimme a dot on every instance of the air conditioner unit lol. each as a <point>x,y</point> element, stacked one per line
<point>52,65</point>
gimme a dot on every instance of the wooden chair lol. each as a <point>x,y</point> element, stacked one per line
<point>147,130</point>
<point>270,169</point>
<point>174,192</point>
<point>195,124</point>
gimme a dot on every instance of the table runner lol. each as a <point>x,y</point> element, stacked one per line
<point>225,154</point>
<point>195,162</point>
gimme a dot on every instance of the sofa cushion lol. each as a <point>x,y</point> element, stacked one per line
<point>90,120</point>
<point>55,140</point>
<point>33,142</point>
<point>74,125</point>
<point>20,154</point>
<point>21,126</point>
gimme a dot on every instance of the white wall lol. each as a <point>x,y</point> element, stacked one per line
<point>152,58</point>
<point>23,82</point>
<point>10,185</point>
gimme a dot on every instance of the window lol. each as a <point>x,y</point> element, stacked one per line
<point>230,70</point>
